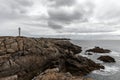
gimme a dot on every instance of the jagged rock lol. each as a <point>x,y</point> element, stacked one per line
<point>106,59</point>
<point>54,74</point>
<point>88,53</point>
<point>10,50</point>
<point>67,45</point>
<point>14,46</point>
<point>14,77</point>
<point>32,56</point>
<point>2,52</point>
<point>78,65</point>
<point>4,58</point>
<point>9,40</point>
<point>21,45</point>
<point>98,50</point>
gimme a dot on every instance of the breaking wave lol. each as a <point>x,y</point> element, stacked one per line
<point>109,70</point>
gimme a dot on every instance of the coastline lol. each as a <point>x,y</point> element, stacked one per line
<point>30,57</point>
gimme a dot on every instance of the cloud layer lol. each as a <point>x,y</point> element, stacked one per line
<point>38,17</point>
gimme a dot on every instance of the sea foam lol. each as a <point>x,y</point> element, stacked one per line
<point>109,70</point>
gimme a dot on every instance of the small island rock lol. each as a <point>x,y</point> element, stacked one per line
<point>106,59</point>
<point>98,50</point>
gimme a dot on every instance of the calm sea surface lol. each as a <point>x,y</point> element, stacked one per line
<point>112,70</point>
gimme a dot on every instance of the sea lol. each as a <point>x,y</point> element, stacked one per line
<point>112,70</point>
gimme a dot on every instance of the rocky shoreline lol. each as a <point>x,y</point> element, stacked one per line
<point>23,58</point>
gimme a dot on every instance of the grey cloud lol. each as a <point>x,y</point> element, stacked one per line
<point>90,28</point>
<point>110,14</point>
<point>86,30</point>
<point>59,3</point>
<point>54,25</point>
<point>81,13</point>
<point>36,24</point>
<point>65,17</point>
<point>107,11</point>
<point>49,24</point>
<point>13,9</point>
<point>58,17</point>
<point>24,2</point>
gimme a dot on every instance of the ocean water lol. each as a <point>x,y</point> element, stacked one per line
<point>112,70</point>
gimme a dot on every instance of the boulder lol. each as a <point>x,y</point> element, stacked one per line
<point>107,59</point>
<point>98,50</point>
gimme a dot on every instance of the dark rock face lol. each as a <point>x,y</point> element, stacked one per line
<point>78,65</point>
<point>24,58</point>
<point>88,53</point>
<point>106,59</point>
<point>98,50</point>
<point>69,46</point>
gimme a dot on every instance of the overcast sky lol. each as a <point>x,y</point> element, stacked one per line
<point>64,17</point>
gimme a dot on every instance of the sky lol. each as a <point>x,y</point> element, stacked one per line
<point>60,17</point>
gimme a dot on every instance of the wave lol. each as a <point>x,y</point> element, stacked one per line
<point>109,70</point>
<point>114,53</point>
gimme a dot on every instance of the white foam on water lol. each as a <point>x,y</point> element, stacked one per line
<point>109,70</point>
<point>113,53</point>
<point>84,55</point>
<point>98,61</point>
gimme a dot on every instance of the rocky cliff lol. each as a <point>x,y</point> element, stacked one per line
<point>23,58</point>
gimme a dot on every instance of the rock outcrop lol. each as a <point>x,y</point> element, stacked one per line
<point>98,50</point>
<point>107,59</point>
<point>14,77</point>
<point>28,57</point>
<point>55,74</point>
<point>77,65</point>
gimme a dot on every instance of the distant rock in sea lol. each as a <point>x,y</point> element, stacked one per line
<point>88,53</point>
<point>98,50</point>
<point>107,59</point>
